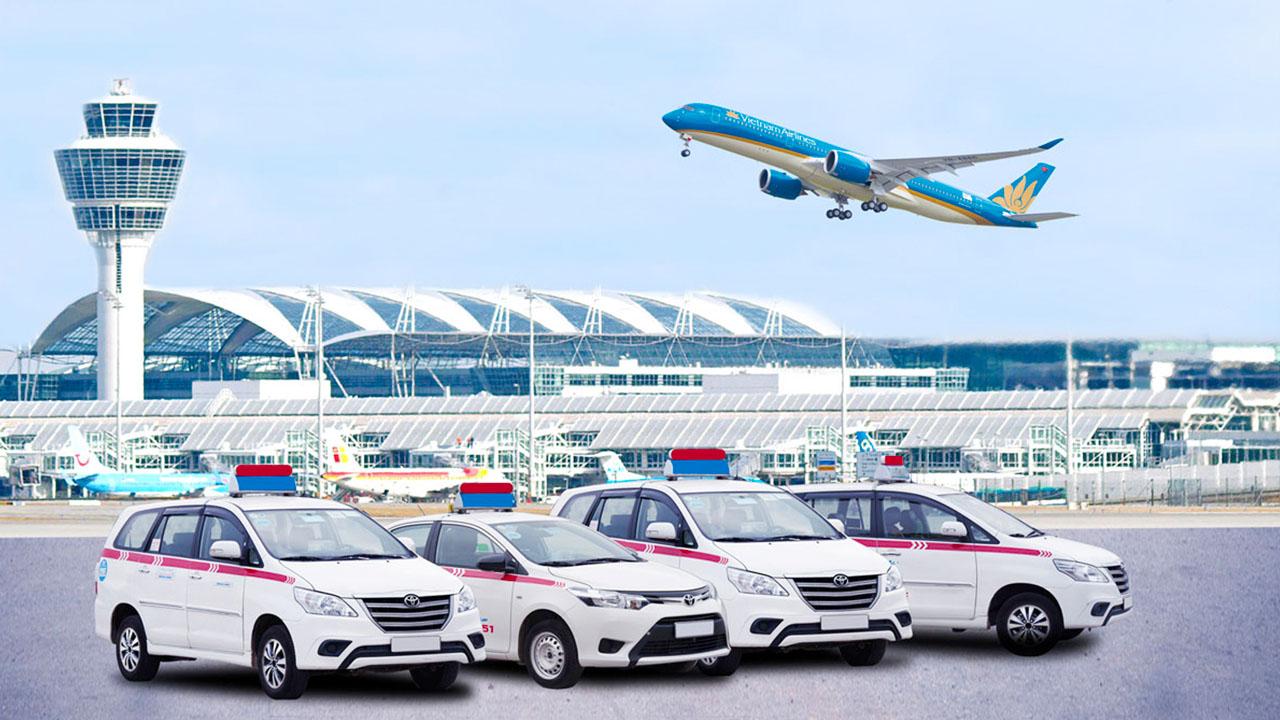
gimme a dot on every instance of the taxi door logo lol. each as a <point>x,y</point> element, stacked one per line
<point>102,570</point>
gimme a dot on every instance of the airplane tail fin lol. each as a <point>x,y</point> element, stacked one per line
<point>865,443</point>
<point>614,469</point>
<point>86,460</point>
<point>340,459</point>
<point>1018,195</point>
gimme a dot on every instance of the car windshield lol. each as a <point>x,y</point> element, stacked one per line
<point>313,535</point>
<point>560,543</point>
<point>991,516</point>
<point>756,517</point>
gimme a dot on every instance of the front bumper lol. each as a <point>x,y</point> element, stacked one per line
<point>763,622</point>
<point>625,638</point>
<point>1085,607</point>
<point>335,644</point>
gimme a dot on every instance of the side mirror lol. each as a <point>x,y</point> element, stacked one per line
<point>226,550</point>
<point>408,543</point>
<point>664,531</point>
<point>497,562</point>
<point>837,523</point>
<point>954,528</point>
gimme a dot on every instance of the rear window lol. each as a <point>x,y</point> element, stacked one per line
<point>133,536</point>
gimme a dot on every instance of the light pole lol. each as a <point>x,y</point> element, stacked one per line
<point>526,291</point>
<point>319,373</point>
<point>844,409</point>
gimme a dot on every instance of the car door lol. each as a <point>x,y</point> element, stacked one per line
<point>164,605</point>
<point>215,600</point>
<point>940,571</point>
<point>459,547</point>
<point>654,507</point>
<point>614,514</point>
<point>853,509</point>
<point>418,535</point>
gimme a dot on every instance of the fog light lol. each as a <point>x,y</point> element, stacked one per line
<point>904,618</point>
<point>764,626</point>
<point>333,648</point>
<point>477,640</point>
<point>1100,609</point>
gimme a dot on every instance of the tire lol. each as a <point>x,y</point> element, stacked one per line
<point>723,666</point>
<point>551,655</point>
<point>864,653</point>
<point>1070,634</point>
<point>1028,624</point>
<point>277,665</point>
<point>133,659</point>
<point>435,677</point>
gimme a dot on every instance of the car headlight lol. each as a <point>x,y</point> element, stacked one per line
<point>318,603</point>
<point>607,598</point>
<point>1082,572</point>
<point>755,583</point>
<point>465,602</point>
<point>892,579</point>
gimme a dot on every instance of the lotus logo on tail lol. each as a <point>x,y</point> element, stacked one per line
<point>1017,198</point>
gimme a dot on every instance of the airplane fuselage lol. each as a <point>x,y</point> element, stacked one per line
<point>414,483</point>
<point>147,485</point>
<point>802,156</point>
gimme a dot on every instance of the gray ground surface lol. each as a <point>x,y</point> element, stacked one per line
<point>1202,642</point>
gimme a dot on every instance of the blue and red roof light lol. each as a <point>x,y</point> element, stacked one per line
<point>486,496</point>
<point>266,479</point>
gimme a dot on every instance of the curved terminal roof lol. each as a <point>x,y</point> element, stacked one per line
<point>273,320</point>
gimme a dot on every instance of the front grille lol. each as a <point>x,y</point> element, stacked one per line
<point>1120,577</point>
<point>824,595</point>
<point>393,615</point>
<point>661,640</point>
<point>677,597</point>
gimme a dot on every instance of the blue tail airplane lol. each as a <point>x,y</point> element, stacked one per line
<point>802,165</point>
<point>97,479</point>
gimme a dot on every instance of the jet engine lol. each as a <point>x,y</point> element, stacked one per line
<point>780,184</point>
<point>847,167</point>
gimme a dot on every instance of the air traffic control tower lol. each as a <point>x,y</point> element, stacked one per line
<point>120,177</point>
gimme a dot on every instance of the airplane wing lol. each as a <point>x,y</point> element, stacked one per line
<point>897,171</point>
<point>1040,217</point>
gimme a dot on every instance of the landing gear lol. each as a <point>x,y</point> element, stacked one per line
<point>686,152</point>
<point>840,212</point>
<point>874,205</point>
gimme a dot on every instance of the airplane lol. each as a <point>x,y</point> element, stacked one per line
<point>343,469</point>
<point>89,473</point>
<point>614,470</point>
<point>808,166</point>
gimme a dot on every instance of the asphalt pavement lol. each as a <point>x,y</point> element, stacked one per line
<point>1202,642</point>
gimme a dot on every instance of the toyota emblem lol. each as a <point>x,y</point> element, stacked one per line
<point>411,601</point>
<point>689,599</point>
<point>840,580</point>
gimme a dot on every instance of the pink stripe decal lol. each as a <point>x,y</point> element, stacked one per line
<point>188,564</point>
<point>672,551</point>
<point>501,577</point>
<point>950,546</point>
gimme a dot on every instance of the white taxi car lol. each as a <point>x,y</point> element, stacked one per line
<point>787,578</point>
<point>970,565</point>
<point>558,597</point>
<point>286,585</point>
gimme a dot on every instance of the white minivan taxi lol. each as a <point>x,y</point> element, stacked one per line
<point>557,597</point>
<point>786,576</point>
<point>283,584</point>
<point>971,565</point>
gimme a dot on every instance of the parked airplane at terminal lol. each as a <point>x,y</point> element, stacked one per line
<point>89,473</point>
<point>414,483</point>
<point>808,166</point>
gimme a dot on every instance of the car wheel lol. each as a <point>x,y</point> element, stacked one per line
<point>1028,624</point>
<point>277,663</point>
<point>722,666</point>
<point>551,655</point>
<point>135,662</point>
<point>1070,634</point>
<point>864,653</point>
<point>435,677</point>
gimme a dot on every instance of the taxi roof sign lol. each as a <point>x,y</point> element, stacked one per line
<point>264,480</point>
<point>486,496</point>
<point>697,462</point>
<point>892,468</point>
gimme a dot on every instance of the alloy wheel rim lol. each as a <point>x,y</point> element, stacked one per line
<point>548,656</point>
<point>273,663</point>
<point>130,649</point>
<point>1028,625</point>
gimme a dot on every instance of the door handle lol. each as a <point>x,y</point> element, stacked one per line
<point>196,576</point>
<point>891,553</point>
<point>144,571</point>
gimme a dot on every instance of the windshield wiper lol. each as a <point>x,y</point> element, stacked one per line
<point>592,561</point>
<point>303,558</point>
<point>798,536</point>
<point>366,556</point>
<point>736,538</point>
<point>600,561</point>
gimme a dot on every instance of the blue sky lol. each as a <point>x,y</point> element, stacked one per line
<point>483,144</point>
